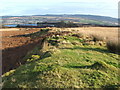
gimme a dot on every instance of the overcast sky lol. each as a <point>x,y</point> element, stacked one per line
<point>38,7</point>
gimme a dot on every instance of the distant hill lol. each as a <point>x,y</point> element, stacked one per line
<point>93,17</point>
<point>101,18</point>
<point>89,19</point>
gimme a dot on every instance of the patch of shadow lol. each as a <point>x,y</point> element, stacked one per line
<point>46,54</point>
<point>90,49</point>
<point>97,66</point>
<point>70,66</point>
<point>111,87</point>
<point>42,55</point>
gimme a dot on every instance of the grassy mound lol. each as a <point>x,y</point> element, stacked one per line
<point>66,62</point>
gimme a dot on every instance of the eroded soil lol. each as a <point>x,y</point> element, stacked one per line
<point>15,48</point>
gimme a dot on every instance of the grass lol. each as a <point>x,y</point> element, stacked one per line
<point>66,65</point>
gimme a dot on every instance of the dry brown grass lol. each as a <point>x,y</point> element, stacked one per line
<point>113,45</point>
<point>110,35</point>
<point>107,34</point>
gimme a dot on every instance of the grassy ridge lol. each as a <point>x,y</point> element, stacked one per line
<point>67,61</point>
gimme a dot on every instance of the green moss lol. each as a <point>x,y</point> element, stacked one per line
<point>71,39</point>
<point>33,57</point>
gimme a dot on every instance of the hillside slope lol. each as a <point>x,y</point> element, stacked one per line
<point>66,61</point>
<point>90,19</point>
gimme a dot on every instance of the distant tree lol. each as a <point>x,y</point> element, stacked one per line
<point>62,24</point>
<point>71,24</point>
<point>38,23</point>
<point>18,25</point>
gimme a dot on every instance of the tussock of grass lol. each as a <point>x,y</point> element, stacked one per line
<point>113,46</point>
<point>97,37</point>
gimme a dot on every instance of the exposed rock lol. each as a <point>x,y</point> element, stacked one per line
<point>90,43</point>
<point>66,42</point>
<point>76,43</point>
<point>101,43</point>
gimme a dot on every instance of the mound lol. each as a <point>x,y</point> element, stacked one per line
<point>102,66</point>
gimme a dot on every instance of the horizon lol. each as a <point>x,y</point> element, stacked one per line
<point>60,7</point>
<point>59,14</point>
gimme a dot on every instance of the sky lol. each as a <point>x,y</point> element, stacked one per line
<point>41,7</point>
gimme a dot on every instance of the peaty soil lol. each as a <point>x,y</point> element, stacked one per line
<point>15,48</point>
